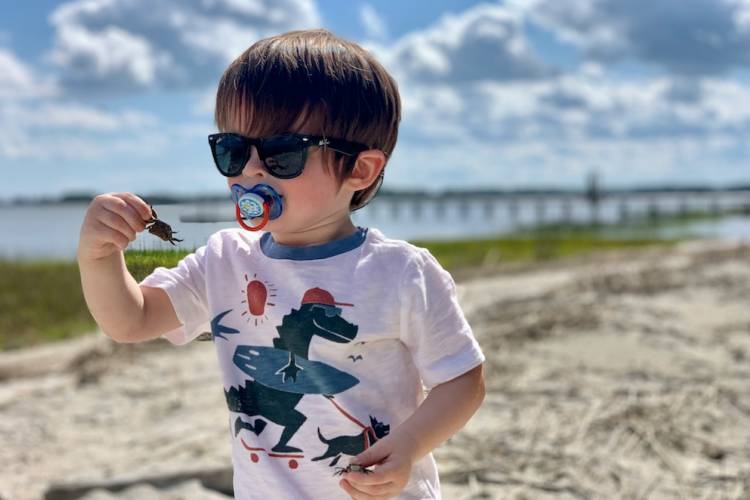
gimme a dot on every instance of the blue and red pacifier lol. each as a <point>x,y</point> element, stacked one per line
<point>260,200</point>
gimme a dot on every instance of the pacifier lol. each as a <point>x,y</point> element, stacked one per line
<point>260,200</point>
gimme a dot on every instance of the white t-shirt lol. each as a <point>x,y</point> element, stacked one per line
<point>323,349</point>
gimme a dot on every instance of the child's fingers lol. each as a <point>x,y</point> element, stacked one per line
<point>141,207</point>
<point>115,222</point>
<point>378,476</point>
<point>358,494</point>
<point>113,236</point>
<point>118,205</point>
<point>373,489</point>
<point>110,222</point>
<point>349,488</point>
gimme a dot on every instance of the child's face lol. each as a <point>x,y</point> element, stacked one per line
<point>311,200</point>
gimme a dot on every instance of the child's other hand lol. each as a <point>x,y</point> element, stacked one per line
<point>394,457</point>
<point>111,222</point>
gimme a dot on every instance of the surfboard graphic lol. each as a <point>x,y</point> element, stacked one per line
<point>263,365</point>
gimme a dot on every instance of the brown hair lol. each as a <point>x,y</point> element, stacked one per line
<point>317,77</point>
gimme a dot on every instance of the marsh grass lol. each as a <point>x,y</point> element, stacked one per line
<point>530,246</point>
<point>42,301</point>
<point>142,262</point>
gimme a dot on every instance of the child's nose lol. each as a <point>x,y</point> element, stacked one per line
<point>254,166</point>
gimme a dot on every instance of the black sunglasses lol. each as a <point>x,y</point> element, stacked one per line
<point>283,156</point>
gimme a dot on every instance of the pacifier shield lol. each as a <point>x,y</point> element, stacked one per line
<point>259,201</point>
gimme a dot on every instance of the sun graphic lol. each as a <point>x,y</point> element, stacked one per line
<point>257,294</point>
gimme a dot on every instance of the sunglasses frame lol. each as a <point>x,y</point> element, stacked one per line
<point>299,142</point>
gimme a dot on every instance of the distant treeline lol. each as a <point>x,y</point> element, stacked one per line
<point>167,199</point>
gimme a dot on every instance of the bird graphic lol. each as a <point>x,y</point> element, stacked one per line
<point>218,330</point>
<point>355,358</point>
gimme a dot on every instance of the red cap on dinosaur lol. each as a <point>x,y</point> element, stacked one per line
<point>320,296</point>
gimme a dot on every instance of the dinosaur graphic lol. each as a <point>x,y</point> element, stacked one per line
<point>282,375</point>
<point>353,445</point>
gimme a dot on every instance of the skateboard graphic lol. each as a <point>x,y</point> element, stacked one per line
<point>255,457</point>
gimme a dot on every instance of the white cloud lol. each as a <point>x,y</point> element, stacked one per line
<point>125,59</point>
<point>698,37</point>
<point>476,95</point>
<point>555,131</point>
<point>614,108</point>
<point>36,123</point>
<point>125,45</point>
<point>564,162</point>
<point>17,81</point>
<point>485,42</point>
<point>480,106</point>
<point>14,75</point>
<point>74,148</point>
<point>69,130</point>
<point>75,117</point>
<point>372,22</point>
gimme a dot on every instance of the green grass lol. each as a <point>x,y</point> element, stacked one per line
<point>42,301</point>
<point>533,246</point>
<point>142,262</point>
<point>647,226</point>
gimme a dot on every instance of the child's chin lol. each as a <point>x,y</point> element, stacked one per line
<point>271,225</point>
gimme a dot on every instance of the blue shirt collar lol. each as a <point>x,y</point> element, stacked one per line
<point>274,250</point>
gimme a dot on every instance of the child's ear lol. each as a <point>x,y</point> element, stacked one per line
<point>366,169</point>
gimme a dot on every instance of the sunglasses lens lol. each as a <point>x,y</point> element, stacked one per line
<point>286,165</point>
<point>284,157</point>
<point>231,153</point>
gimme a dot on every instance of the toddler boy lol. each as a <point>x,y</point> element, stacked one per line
<point>325,332</point>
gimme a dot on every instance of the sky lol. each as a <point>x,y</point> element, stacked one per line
<point>117,95</point>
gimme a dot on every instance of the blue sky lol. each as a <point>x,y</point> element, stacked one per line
<point>116,95</point>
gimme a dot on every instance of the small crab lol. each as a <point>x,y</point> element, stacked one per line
<point>160,228</point>
<point>352,468</point>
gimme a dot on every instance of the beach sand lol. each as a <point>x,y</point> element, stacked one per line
<point>623,375</point>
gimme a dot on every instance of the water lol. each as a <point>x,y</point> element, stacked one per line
<point>51,231</point>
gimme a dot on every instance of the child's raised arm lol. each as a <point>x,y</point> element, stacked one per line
<point>124,311</point>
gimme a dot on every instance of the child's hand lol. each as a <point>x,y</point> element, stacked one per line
<point>394,458</point>
<point>111,223</point>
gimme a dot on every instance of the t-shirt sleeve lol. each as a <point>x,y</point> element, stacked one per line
<point>185,285</point>
<point>433,326</point>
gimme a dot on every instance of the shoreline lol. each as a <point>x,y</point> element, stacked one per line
<point>476,224</point>
<point>34,314</point>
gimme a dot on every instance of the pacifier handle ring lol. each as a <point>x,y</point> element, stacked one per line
<point>266,215</point>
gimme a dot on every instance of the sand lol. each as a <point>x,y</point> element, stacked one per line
<point>617,376</point>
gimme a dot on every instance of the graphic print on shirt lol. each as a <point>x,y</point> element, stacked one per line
<point>218,330</point>
<point>257,293</point>
<point>281,375</point>
<point>353,445</point>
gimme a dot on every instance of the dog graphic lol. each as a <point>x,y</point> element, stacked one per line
<point>353,445</point>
